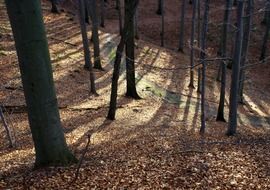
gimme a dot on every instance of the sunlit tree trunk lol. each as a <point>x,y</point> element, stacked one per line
<point>235,72</point>
<point>37,79</point>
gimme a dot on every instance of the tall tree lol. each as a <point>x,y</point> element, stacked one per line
<point>132,4</point>
<point>223,53</point>
<point>182,25</point>
<point>266,36</point>
<point>87,55</point>
<point>235,71</point>
<point>162,23</point>
<point>192,39</point>
<point>246,39</point>
<point>34,61</point>
<point>130,53</point>
<point>202,58</point>
<point>92,7</point>
<point>102,14</point>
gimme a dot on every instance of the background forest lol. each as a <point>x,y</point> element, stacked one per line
<point>129,94</point>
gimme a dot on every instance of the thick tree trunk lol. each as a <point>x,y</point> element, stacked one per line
<point>235,72</point>
<point>193,28</point>
<point>87,55</point>
<point>266,36</point>
<point>34,61</point>
<point>93,14</point>
<point>119,52</point>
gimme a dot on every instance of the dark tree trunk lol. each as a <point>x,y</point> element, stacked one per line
<point>182,25</point>
<point>130,53</point>
<point>87,55</point>
<point>93,14</point>
<point>34,60</point>
<point>119,52</point>
<point>223,53</point>
<point>266,36</point>
<point>199,43</point>
<point>162,23</point>
<point>246,38</point>
<point>102,14</point>
<point>159,10</point>
<point>235,72</point>
<point>202,58</point>
<point>54,8</point>
<point>119,10</point>
<point>193,28</point>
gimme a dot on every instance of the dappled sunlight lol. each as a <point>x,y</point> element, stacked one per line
<point>253,107</point>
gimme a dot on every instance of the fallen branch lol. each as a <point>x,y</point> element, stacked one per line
<point>82,157</point>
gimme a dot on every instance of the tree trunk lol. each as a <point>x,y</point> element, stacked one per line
<point>87,55</point>
<point>266,36</point>
<point>223,53</point>
<point>159,10</point>
<point>235,72</point>
<point>102,14</point>
<point>199,43</point>
<point>162,23</point>
<point>130,53</point>
<point>182,25</point>
<point>202,58</point>
<point>93,14</point>
<point>37,79</point>
<point>246,38</point>
<point>193,28</point>
<point>119,10</point>
<point>117,62</point>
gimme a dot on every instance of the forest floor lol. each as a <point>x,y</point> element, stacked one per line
<point>154,142</point>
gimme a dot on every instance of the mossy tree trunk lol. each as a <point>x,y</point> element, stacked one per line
<point>34,61</point>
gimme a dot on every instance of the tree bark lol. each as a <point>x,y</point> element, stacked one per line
<point>235,72</point>
<point>34,60</point>
<point>119,52</point>
<point>223,53</point>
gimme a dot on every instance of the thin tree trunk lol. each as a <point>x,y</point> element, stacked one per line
<point>8,131</point>
<point>235,72</point>
<point>130,54</point>
<point>202,58</point>
<point>193,28</point>
<point>246,38</point>
<point>119,52</point>
<point>199,43</point>
<point>162,23</point>
<point>87,55</point>
<point>223,53</point>
<point>37,79</point>
<point>119,10</point>
<point>182,25</point>
<point>159,10</point>
<point>136,25</point>
<point>102,14</point>
<point>93,14</point>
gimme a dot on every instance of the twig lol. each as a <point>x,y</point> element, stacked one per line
<point>82,158</point>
